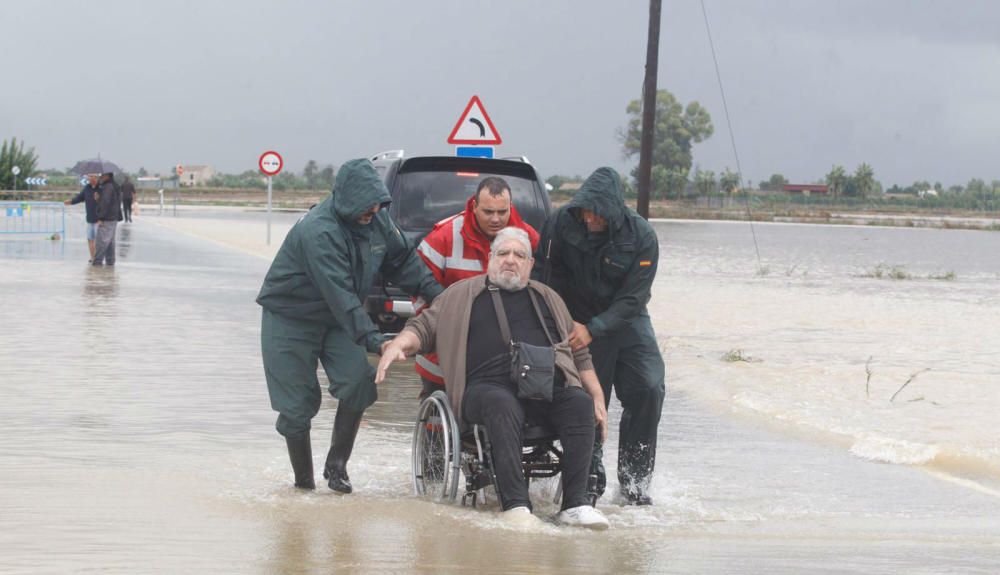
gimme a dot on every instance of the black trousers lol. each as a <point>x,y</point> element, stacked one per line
<point>570,415</point>
<point>127,210</point>
<point>629,362</point>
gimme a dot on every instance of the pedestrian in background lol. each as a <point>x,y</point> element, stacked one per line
<point>109,213</point>
<point>88,195</point>
<point>128,196</point>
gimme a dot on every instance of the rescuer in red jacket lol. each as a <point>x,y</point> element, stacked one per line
<point>459,246</point>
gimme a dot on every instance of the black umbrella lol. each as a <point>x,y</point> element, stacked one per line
<point>95,166</point>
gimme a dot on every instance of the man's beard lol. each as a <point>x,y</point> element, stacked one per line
<point>509,282</point>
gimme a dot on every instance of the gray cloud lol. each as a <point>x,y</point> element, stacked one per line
<point>908,87</point>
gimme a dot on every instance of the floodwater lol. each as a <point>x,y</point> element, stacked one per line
<point>138,436</point>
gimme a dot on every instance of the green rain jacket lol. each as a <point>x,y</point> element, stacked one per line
<point>327,263</point>
<point>605,279</point>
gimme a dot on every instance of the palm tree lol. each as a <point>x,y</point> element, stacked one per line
<point>864,180</point>
<point>837,180</point>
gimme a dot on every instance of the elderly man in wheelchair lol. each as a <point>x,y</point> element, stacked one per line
<point>502,340</point>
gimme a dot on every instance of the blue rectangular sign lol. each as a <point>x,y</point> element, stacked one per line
<point>474,151</point>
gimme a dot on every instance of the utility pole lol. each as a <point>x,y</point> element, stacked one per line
<point>648,109</point>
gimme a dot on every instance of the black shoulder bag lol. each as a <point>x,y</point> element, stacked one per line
<point>532,367</point>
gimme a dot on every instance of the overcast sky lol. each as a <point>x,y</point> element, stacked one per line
<point>911,87</point>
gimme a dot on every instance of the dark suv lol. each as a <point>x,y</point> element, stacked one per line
<point>428,189</point>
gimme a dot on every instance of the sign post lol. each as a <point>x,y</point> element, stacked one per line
<point>15,170</point>
<point>177,192</point>
<point>474,133</point>
<point>270,164</point>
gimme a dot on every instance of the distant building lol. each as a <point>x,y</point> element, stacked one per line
<point>194,175</point>
<point>805,189</point>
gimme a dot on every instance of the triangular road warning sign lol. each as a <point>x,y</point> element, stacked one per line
<point>474,126</point>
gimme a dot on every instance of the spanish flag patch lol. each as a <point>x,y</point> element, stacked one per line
<point>644,263</point>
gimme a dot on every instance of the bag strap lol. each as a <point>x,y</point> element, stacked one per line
<point>538,313</point>
<point>502,314</point>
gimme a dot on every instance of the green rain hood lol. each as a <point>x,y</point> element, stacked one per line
<point>602,194</point>
<point>605,278</point>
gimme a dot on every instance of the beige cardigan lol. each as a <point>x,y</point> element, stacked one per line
<point>444,328</point>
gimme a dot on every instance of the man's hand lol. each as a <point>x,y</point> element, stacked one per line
<point>601,415</point>
<point>390,353</point>
<point>68,203</point>
<point>579,337</point>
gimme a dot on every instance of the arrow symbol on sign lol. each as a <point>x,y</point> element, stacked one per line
<point>482,128</point>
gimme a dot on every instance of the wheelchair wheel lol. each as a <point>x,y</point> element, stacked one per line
<point>436,449</point>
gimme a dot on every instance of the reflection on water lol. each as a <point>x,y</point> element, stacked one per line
<point>137,432</point>
<point>124,241</point>
<point>100,287</point>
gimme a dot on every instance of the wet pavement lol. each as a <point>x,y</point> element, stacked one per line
<point>138,438</point>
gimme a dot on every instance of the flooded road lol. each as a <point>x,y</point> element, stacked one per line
<point>138,435</point>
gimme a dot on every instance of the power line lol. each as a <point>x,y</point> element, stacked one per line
<point>732,137</point>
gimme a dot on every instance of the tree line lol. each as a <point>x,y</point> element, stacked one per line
<point>13,153</point>
<point>312,177</point>
<point>675,175</point>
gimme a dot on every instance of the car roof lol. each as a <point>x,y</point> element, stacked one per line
<point>457,163</point>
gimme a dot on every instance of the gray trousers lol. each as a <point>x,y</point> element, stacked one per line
<point>105,244</point>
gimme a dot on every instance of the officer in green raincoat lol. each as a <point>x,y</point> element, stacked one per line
<point>312,298</point>
<point>601,257</point>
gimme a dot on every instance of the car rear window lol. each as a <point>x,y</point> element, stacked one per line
<point>424,198</point>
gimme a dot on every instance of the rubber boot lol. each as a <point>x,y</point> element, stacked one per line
<point>345,430</point>
<point>597,481</point>
<point>300,453</point>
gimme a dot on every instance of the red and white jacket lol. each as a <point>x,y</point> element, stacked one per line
<point>454,250</point>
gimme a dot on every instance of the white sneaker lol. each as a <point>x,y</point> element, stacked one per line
<point>521,517</point>
<point>583,516</point>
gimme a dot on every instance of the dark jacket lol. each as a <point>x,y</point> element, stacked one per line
<point>326,265</point>
<point>605,278</point>
<point>109,202</point>
<point>128,191</point>
<point>86,196</point>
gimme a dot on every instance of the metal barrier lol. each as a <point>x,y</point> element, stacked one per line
<point>28,217</point>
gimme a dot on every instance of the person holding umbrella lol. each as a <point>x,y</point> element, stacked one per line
<point>109,213</point>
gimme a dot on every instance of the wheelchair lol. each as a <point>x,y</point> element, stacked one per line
<point>442,453</point>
